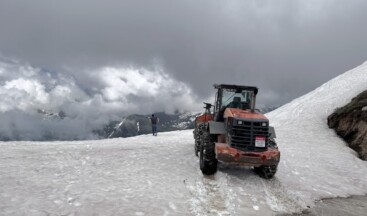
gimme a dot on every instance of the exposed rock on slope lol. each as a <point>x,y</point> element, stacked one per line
<point>350,123</point>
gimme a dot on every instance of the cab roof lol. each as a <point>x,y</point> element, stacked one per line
<point>228,86</point>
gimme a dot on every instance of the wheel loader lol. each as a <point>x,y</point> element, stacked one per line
<point>235,133</point>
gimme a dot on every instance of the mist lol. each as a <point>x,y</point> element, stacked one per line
<point>111,94</point>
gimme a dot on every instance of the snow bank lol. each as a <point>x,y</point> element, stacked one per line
<point>315,163</point>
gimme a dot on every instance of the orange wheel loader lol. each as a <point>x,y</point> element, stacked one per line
<point>235,133</point>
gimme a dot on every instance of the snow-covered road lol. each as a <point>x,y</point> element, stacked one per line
<point>149,175</point>
<point>143,175</point>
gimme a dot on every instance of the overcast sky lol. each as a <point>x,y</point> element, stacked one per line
<point>148,56</point>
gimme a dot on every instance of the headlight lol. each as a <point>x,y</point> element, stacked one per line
<point>264,124</point>
<point>239,122</point>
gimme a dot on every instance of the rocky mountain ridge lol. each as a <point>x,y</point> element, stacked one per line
<point>350,123</point>
<point>128,126</point>
<point>134,125</point>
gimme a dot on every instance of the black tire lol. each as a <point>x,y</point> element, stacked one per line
<point>198,138</point>
<point>266,171</point>
<point>208,162</point>
<point>196,148</point>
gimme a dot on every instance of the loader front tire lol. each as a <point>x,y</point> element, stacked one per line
<point>208,162</point>
<point>266,171</point>
<point>198,138</point>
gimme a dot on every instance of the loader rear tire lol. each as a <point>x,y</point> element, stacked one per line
<point>266,171</point>
<point>208,162</point>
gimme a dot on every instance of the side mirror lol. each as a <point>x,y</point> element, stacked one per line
<point>208,105</point>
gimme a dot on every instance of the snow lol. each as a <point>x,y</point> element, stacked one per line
<point>315,162</point>
<point>149,175</point>
<point>142,175</point>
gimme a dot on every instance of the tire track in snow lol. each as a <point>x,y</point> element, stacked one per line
<point>211,196</point>
<point>238,191</point>
<point>277,197</point>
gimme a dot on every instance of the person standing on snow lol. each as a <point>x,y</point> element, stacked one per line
<point>154,120</point>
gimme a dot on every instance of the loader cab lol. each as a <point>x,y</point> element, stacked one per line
<point>233,96</point>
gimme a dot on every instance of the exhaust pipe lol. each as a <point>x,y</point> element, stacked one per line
<point>253,102</point>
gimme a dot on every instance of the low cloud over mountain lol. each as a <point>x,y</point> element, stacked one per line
<point>88,102</point>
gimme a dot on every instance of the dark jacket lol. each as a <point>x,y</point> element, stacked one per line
<point>154,120</point>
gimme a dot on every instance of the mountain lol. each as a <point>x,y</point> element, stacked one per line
<point>49,125</point>
<point>267,109</point>
<point>168,122</point>
<point>49,115</point>
<point>134,125</point>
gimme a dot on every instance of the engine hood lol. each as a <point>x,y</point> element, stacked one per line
<point>246,114</point>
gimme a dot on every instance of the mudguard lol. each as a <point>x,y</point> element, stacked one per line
<point>272,132</point>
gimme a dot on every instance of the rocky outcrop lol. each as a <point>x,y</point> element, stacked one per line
<point>350,123</point>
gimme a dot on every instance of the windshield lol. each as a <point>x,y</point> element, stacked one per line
<point>235,99</point>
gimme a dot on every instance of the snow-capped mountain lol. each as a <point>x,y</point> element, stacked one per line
<point>49,115</point>
<point>134,125</point>
<point>131,125</point>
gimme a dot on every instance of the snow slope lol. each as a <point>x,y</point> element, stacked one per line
<point>315,162</point>
<point>148,175</point>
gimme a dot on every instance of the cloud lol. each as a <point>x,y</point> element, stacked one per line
<point>89,57</point>
<point>119,91</point>
<point>276,45</point>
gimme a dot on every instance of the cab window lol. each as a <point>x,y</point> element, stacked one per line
<point>229,95</point>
